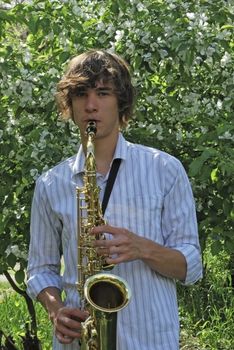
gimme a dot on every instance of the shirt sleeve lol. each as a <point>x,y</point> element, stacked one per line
<point>45,241</point>
<point>179,223</point>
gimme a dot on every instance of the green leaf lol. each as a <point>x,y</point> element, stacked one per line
<point>20,276</point>
<point>6,16</point>
<point>227,26</point>
<point>33,24</point>
<point>216,247</point>
<point>11,260</point>
<point>195,166</point>
<point>227,208</point>
<point>213,175</point>
<point>229,245</point>
<point>64,56</point>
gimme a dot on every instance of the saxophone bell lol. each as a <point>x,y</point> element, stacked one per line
<point>106,294</point>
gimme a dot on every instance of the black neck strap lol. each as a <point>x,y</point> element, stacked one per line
<point>110,183</point>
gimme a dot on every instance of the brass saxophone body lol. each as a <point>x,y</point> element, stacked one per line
<point>102,294</point>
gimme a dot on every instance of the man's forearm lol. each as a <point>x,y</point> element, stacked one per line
<point>50,298</point>
<point>166,261</point>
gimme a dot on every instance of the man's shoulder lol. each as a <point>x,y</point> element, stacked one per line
<point>63,170</point>
<point>153,153</point>
<point>64,164</point>
<point>156,161</point>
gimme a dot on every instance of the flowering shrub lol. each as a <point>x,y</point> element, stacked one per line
<point>181,55</point>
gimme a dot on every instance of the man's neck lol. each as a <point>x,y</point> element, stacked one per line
<point>104,153</point>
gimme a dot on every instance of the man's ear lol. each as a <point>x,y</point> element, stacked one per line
<point>123,122</point>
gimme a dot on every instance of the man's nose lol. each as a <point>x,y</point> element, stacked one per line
<point>91,103</point>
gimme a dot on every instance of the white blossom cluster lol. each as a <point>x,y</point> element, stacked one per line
<point>182,67</point>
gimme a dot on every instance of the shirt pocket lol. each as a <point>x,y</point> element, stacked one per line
<point>140,214</point>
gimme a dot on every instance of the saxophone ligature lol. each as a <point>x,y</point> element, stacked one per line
<point>101,293</point>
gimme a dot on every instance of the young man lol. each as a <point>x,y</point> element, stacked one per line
<point>152,229</point>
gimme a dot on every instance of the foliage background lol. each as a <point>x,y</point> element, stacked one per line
<point>182,59</point>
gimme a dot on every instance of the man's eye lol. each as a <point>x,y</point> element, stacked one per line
<point>103,93</point>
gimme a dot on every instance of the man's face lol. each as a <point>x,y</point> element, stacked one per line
<point>99,104</point>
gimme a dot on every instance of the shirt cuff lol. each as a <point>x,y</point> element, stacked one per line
<point>194,263</point>
<point>39,282</point>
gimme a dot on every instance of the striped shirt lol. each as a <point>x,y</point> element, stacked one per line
<point>151,197</point>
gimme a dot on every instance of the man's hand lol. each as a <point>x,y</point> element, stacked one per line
<point>66,320</point>
<point>125,245</point>
<point>67,324</point>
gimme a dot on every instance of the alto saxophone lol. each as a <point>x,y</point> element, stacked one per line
<point>102,294</point>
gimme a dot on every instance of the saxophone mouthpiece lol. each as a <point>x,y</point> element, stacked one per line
<point>91,127</point>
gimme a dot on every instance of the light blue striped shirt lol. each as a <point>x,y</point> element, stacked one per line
<point>151,197</point>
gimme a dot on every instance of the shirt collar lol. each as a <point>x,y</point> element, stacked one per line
<point>120,152</point>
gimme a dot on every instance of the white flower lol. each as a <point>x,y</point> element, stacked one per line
<point>189,135</point>
<point>219,104</point>
<point>225,59</point>
<point>53,71</point>
<point>44,134</point>
<point>199,207</point>
<point>179,135</point>
<point>163,53</point>
<point>34,154</point>
<point>34,173</point>
<point>227,136</point>
<point>77,10</point>
<point>140,7</point>
<point>119,35</point>
<point>146,38</point>
<point>11,154</point>
<point>27,56</point>
<point>129,24</point>
<point>110,29</point>
<point>101,26</point>
<point>204,130</point>
<point>190,15</point>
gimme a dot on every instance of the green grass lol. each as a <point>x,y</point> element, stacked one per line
<point>207,318</point>
<point>206,311</point>
<point>207,308</point>
<point>14,316</point>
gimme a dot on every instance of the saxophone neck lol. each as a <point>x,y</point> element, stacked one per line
<point>90,132</point>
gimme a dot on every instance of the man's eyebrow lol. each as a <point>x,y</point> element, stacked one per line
<point>80,88</point>
<point>104,88</point>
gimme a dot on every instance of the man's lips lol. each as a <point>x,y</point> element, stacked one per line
<point>86,120</point>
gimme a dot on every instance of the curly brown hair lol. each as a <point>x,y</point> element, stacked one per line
<point>86,70</point>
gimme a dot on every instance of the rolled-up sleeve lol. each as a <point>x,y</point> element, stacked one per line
<point>194,263</point>
<point>179,222</point>
<point>45,240</point>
